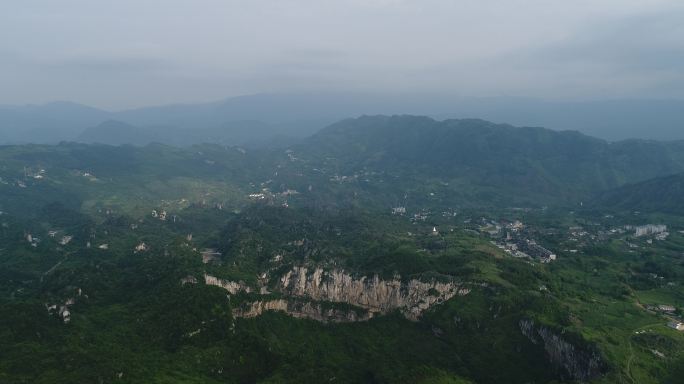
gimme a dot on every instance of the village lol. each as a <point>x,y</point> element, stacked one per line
<point>515,241</point>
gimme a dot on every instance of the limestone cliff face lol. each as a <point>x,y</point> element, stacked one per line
<point>230,286</point>
<point>304,290</point>
<point>302,310</point>
<point>581,364</point>
<point>371,293</point>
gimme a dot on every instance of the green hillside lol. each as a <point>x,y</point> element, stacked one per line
<point>510,162</point>
<point>662,194</point>
<point>381,250</point>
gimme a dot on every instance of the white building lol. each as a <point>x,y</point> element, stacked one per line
<point>142,247</point>
<point>678,325</point>
<point>649,229</point>
<point>666,308</point>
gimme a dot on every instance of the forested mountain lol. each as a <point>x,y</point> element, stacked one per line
<point>114,132</point>
<point>662,194</point>
<point>530,161</point>
<point>388,159</point>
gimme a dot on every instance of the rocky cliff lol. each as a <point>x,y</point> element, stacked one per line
<point>305,289</point>
<point>580,363</point>
<point>302,310</point>
<point>231,286</point>
<point>374,294</point>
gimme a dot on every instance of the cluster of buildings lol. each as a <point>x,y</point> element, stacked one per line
<point>290,155</point>
<point>39,175</point>
<point>648,230</point>
<point>269,197</point>
<point>669,311</point>
<point>33,240</point>
<point>420,216</point>
<point>399,210</point>
<point>535,250</point>
<point>30,173</point>
<point>631,234</point>
<point>161,215</point>
<point>513,240</point>
<point>527,248</point>
<point>678,325</point>
<point>63,310</point>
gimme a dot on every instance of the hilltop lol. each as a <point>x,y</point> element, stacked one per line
<point>503,159</point>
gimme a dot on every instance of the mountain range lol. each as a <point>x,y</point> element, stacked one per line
<point>233,120</point>
<point>475,155</point>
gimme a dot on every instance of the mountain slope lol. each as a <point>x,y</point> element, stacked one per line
<point>114,132</point>
<point>512,160</point>
<point>49,123</point>
<point>662,194</point>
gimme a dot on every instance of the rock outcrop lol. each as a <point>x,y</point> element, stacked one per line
<point>374,294</point>
<point>302,310</point>
<point>306,290</point>
<point>580,363</point>
<point>231,286</point>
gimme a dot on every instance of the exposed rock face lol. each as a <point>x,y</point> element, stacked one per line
<point>580,364</point>
<point>305,289</point>
<point>230,286</point>
<point>371,293</point>
<point>302,310</point>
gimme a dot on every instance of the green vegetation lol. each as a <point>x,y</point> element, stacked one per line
<point>115,235</point>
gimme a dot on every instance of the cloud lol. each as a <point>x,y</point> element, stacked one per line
<point>181,50</point>
<point>633,56</point>
<point>644,42</point>
<point>109,65</point>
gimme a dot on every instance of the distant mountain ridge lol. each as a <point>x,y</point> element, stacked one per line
<point>300,115</point>
<point>404,159</point>
<point>48,123</point>
<point>509,160</point>
<point>244,133</point>
<point>115,132</point>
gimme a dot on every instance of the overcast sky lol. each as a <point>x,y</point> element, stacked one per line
<point>127,53</point>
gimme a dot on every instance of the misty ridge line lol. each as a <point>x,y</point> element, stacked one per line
<point>266,118</point>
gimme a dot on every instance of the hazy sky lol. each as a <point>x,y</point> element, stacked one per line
<point>125,53</point>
